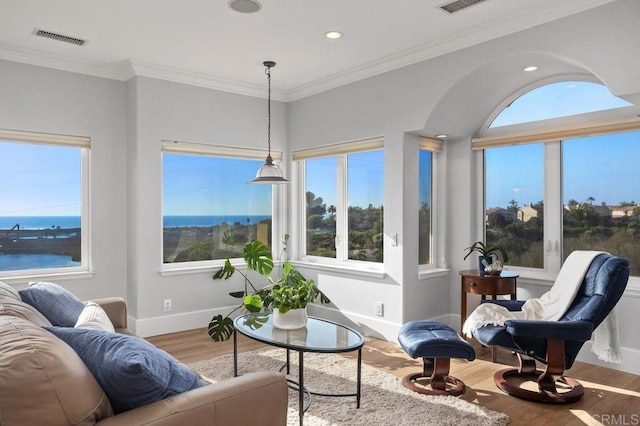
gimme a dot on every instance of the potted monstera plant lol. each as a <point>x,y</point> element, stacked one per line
<point>485,253</point>
<point>289,293</point>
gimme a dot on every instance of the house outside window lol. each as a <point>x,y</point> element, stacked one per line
<point>43,221</point>
<point>209,208</point>
<point>342,192</point>
<point>566,183</point>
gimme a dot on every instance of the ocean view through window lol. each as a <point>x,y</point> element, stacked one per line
<point>41,213</point>
<point>210,211</point>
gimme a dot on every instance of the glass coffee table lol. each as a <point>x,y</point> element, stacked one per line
<point>319,335</point>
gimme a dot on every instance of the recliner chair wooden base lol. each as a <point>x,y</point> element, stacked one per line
<point>546,380</point>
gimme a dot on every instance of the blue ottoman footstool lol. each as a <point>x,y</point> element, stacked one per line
<point>436,343</point>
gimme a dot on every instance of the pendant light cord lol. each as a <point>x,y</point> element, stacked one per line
<point>268,72</point>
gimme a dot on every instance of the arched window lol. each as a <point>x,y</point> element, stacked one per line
<point>559,99</point>
<point>560,174</point>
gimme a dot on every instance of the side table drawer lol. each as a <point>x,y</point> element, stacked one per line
<point>476,285</point>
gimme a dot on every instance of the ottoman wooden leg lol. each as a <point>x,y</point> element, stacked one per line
<point>437,369</point>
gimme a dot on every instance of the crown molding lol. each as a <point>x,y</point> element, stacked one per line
<point>63,63</point>
<point>549,11</point>
<point>178,75</point>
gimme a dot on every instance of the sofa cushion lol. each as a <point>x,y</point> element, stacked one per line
<point>20,309</point>
<point>131,371</point>
<point>42,380</point>
<point>54,302</point>
<point>94,317</point>
<point>8,291</point>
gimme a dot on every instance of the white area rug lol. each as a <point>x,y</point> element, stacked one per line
<point>384,400</point>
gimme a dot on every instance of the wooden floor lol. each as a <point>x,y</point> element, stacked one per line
<point>611,397</point>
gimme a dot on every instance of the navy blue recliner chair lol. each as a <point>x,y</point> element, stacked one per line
<point>556,343</point>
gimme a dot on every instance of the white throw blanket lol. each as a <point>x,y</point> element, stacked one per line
<point>552,305</point>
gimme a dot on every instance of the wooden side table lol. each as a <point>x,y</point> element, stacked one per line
<point>475,282</point>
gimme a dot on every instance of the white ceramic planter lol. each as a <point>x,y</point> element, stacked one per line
<point>294,318</point>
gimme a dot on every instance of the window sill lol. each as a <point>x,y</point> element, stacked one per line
<point>51,276</point>
<point>350,270</point>
<point>432,273</point>
<point>210,267</point>
<point>547,280</point>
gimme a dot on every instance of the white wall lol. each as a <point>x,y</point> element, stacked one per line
<point>44,100</point>
<point>453,94</point>
<point>171,111</point>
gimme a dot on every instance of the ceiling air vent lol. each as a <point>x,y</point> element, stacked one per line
<point>458,5</point>
<point>60,37</point>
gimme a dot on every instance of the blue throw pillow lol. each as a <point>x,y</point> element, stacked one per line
<point>131,371</point>
<point>58,305</point>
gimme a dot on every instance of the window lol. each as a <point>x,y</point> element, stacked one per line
<point>210,210</point>
<point>424,203</point>
<point>600,195</point>
<point>343,193</point>
<point>514,199</point>
<point>567,97</point>
<point>556,188</point>
<point>42,218</point>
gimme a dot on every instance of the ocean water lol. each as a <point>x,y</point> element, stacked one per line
<point>17,262</point>
<point>65,222</point>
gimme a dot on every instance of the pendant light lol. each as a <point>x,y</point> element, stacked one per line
<point>269,173</point>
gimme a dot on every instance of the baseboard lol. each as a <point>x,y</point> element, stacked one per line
<point>174,323</point>
<point>630,359</point>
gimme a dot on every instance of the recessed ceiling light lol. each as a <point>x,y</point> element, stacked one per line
<point>333,35</point>
<point>530,68</point>
<point>442,136</point>
<point>245,6</point>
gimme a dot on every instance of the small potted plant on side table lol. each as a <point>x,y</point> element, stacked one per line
<point>486,254</point>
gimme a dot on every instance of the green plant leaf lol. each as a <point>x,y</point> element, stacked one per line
<point>256,321</point>
<point>220,328</point>
<point>237,294</point>
<point>258,257</point>
<point>225,272</point>
<point>253,303</point>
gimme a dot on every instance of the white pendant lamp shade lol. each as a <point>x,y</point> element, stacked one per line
<point>269,173</point>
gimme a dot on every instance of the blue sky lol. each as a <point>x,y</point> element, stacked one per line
<point>365,179</point>
<point>603,167</point>
<point>198,185</point>
<point>39,180</point>
<point>44,181</point>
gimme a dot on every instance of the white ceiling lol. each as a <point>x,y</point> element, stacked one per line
<point>204,42</point>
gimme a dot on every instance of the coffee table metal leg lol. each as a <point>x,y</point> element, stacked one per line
<point>359,385</point>
<point>300,385</point>
<point>288,363</point>
<point>235,354</point>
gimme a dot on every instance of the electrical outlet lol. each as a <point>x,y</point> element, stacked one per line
<point>167,305</point>
<point>379,309</point>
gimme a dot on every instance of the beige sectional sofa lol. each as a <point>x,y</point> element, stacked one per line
<point>43,381</point>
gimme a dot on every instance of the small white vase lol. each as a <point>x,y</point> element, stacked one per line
<point>292,319</point>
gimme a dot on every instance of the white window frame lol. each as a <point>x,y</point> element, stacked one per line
<point>340,151</point>
<point>551,132</point>
<point>438,221</point>
<point>277,202</point>
<point>84,144</point>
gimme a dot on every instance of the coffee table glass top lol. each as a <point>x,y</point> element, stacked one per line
<point>318,336</point>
